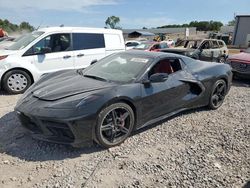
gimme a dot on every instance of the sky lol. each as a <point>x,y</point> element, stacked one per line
<point>133,14</point>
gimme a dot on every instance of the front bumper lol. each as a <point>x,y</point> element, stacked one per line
<point>240,69</point>
<point>241,75</point>
<point>1,77</point>
<point>77,132</point>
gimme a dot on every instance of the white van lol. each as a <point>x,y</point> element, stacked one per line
<point>55,48</point>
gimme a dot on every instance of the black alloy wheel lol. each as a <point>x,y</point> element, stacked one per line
<point>115,124</point>
<point>219,92</point>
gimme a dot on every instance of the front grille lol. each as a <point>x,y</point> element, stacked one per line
<point>241,67</point>
<point>30,124</point>
<point>57,131</point>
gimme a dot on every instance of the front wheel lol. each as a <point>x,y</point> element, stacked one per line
<point>16,81</point>
<point>218,94</point>
<point>115,123</point>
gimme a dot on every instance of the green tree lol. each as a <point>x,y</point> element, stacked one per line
<point>10,27</point>
<point>26,26</point>
<point>231,23</point>
<point>112,22</point>
<point>200,26</point>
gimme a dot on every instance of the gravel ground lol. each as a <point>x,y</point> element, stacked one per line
<point>198,148</point>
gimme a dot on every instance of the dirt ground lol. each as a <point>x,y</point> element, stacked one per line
<point>198,148</point>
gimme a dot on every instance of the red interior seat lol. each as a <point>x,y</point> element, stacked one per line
<point>165,67</point>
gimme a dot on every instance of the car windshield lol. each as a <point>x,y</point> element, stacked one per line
<point>188,44</point>
<point>143,46</point>
<point>25,40</point>
<point>119,67</point>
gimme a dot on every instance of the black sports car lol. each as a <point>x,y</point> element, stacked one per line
<point>120,93</point>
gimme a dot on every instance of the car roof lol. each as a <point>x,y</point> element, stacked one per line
<point>83,29</point>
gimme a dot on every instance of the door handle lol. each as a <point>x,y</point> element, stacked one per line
<point>80,55</point>
<point>66,56</point>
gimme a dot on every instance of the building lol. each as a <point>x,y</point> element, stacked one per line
<point>177,32</point>
<point>137,34</point>
<point>227,29</point>
<point>241,35</point>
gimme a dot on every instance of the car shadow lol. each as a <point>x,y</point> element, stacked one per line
<point>3,93</point>
<point>247,185</point>
<point>201,109</point>
<point>17,142</point>
<point>241,83</point>
<point>235,83</point>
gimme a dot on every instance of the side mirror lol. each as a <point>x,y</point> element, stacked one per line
<point>93,61</point>
<point>158,77</point>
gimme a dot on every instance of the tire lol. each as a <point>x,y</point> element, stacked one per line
<point>221,59</point>
<point>110,133</point>
<point>16,81</point>
<point>219,91</point>
<point>235,76</point>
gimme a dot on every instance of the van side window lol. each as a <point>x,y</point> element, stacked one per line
<point>51,43</point>
<point>83,41</point>
<point>168,66</point>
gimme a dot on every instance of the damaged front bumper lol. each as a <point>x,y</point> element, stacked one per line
<point>76,132</point>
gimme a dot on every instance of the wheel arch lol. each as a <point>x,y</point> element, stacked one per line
<point>125,100</point>
<point>223,77</point>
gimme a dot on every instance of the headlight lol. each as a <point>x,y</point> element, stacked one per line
<point>70,102</point>
<point>87,100</point>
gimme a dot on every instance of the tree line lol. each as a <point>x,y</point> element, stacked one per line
<point>200,25</point>
<point>10,27</point>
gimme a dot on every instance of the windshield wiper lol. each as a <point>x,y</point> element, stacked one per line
<point>95,77</point>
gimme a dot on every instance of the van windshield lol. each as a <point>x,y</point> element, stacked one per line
<point>24,41</point>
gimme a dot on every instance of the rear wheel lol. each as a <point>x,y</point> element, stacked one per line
<point>115,123</point>
<point>16,81</point>
<point>218,94</point>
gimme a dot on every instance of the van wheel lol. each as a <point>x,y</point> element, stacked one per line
<point>16,81</point>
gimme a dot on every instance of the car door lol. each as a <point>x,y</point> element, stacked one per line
<point>205,51</point>
<point>165,97</point>
<point>216,53</point>
<point>52,53</point>
<point>87,48</point>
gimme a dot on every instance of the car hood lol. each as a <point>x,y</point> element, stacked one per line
<point>242,57</point>
<point>178,50</point>
<point>6,52</point>
<point>64,84</point>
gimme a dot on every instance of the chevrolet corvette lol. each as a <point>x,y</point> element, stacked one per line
<point>119,94</point>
